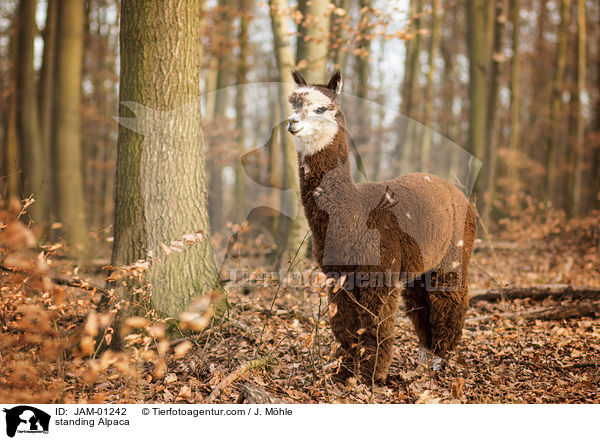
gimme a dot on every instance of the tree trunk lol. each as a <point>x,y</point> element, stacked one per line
<point>493,121</point>
<point>242,70</point>
<point>478,62</point>
<point>224,79</point>
<point>291,233</point>
<point>515,102</point>
<point>66,133</point>
<point>313,40</point>
<point>34,168</point>
<point>575,209</point>
<point>11,160</point>
<point>46,92</point>
<point>434,42</point>
<point>161,184</point>
<point>339,36</point>
<point>363,117</point>
<point>555,105</point>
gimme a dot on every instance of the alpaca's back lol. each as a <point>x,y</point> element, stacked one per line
<point>427,208</point>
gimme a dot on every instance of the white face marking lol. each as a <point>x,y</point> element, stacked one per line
<point>313,124</point>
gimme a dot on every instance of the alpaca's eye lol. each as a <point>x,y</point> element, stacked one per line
<point>321,110</point>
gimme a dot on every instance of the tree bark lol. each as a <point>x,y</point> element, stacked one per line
<point>493,121</point>
<point>34,168</point>
<point>66,133</point>
<point>313,40</point>
<point>339,37</point>
<point>515,101</point>
<point>46,92</point>
<point>478,62</point>
<point>434,42</point>
<point>412,84</point>
<point>245,7</point>
<point>291,232</point>
<point>161,184</point>
<point>556,101</point>
<point>575,209</point>
<point>11,157</point>
<point>224,80</point>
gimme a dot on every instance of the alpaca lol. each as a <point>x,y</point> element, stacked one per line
<point>410,237</point>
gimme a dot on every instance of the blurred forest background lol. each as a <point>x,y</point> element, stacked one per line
<point>514,82</point>
<point>136,134</point>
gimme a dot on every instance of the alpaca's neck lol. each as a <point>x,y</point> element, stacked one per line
<point>329,165</point>
<point>325,177</point>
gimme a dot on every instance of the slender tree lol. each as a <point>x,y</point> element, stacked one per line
<point>478,68</point>
<point>27,115</point>
<point>493,121</point>
<point>291,232</point>
<point>411,86</point>
<point>161,184</point>
<point>313,39</point>
<point>515,99</point>
<point>434,42</point>
<point>10,156</point>
<point>575,207</point>
<point>556,102</point>
<point>225,76</point>
<point>242,70</point>
<point>46,90</point>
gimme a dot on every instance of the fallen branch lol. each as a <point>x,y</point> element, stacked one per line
<point>230,378</point>
<point>548,313</point>
<point>536,292</point>
<point>77,283</point>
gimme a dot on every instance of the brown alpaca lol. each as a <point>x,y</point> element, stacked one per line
<point>417,229</point>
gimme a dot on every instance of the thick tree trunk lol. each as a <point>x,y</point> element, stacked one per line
<point>313,39</point>
<point>34,168</point>
<point>161,184</point>
<point>555,105</point>
<point>515,101</point>
<point>291,233</point>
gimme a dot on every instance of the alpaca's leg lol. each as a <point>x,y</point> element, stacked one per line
<point>448,308</point>
<point>417,309</point>
<point>376,341</point>
<point>345,324</point>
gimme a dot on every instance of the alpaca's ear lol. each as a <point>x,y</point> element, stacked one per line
<point>335,83</point>
<point>298,78</point>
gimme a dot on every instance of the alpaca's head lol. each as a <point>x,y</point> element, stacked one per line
<point>316,115</point>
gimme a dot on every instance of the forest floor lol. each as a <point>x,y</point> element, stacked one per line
<point>278,340</point>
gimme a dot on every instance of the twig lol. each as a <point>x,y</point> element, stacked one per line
<point>230,378</point>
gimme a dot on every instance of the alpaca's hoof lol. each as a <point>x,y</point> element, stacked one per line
<point>429,360</point>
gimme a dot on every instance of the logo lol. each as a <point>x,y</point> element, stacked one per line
<point>26,420</point>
